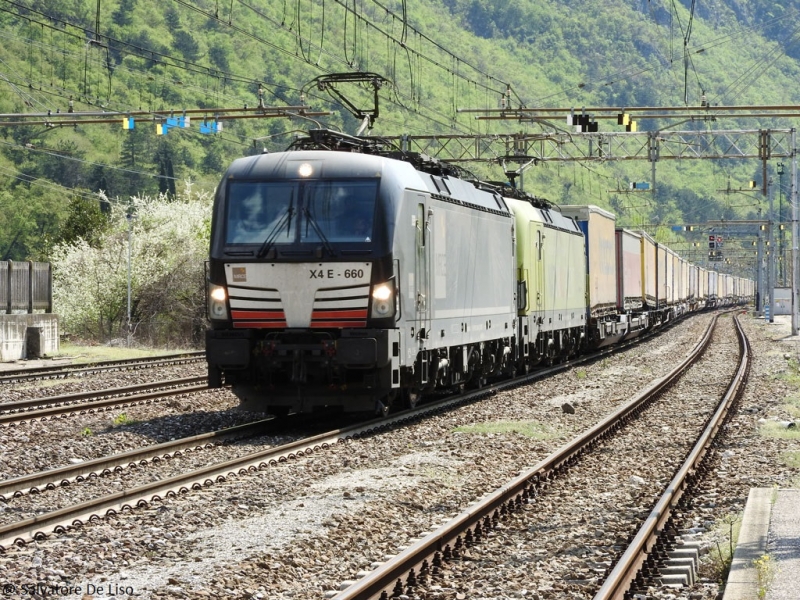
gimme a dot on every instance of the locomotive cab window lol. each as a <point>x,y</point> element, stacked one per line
<point>259,210</point>
<point>301,212</point>
<point>338,211</point>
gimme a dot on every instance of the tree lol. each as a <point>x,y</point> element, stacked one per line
<point>185,42</point>
<point>123,15</point>
<point>169,241</point>
<point>136,149</point>
<point>85,220</point>
<point>166,183</point>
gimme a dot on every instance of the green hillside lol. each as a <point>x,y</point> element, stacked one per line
<point>434,59</point>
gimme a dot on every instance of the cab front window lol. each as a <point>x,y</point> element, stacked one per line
<point>304,212</point>
<point>343,211</point>
<point>257,211</point>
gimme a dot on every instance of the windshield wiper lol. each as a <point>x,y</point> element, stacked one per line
<point>273,233</point>
<point>318,231</point>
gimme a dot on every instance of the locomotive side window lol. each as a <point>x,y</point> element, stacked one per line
<point>338,211</point>
<point>257,211</point>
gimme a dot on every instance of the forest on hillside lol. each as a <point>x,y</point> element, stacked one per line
<point>434,61</point>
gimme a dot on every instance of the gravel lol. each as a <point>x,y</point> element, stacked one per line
<point>301,528</point>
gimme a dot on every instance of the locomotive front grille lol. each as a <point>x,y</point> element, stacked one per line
<point>256,309</point>
<point>291,295</point>
<point>341,307</point>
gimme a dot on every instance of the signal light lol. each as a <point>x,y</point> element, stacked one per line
<point>582,123</point>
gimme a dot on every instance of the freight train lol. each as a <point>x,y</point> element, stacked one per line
<point>345,275</point>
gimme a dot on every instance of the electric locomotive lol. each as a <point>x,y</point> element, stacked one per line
<point>354,280</point>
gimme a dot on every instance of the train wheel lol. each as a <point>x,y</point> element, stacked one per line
<point>214,377</point>
<point>382,407</point>
<point>411,398</point>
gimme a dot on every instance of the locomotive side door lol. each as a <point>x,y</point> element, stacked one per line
<point>536,294</point>
<point>423,299</point>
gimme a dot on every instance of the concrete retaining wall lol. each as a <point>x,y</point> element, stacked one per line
<point>28,336</point>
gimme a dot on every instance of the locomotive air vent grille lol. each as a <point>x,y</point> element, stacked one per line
<point>341,307</point>
<point>256,309</point>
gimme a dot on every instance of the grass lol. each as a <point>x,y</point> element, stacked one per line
<point>87,354</point>
<point>792,373</point>
<point>580,374</point>
<point>773,429</point>
<point>717,563</point>
<point>122,419</point>
<point>765,569</point>
<point>792,406</point>
<point>532,429</point>
<point>791,459</point>
<point>87,432</point>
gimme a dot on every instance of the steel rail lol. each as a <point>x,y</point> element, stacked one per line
<point>19,486</point>
<point>89,407</point>
<point>58,521</point>
<point>14,375</point>
<point>426,555</point>
<point>624,574</point>
<point>69,399</point>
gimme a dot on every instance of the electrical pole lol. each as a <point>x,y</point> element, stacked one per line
<point>782,258</point>
<point>770,255</point>
<point>129,216</point>
<point>795,234</point>
<point>760,273</point>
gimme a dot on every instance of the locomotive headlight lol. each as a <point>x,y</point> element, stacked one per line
<point>382,300</point>
<point>217,308</point>
<point>305,170</point>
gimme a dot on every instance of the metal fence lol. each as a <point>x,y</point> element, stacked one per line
<point>26,287</point>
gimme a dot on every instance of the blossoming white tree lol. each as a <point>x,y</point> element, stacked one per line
<point>169,244</point>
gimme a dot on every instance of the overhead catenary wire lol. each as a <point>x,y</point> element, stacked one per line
<point>283,25</point>
<point>392,41</point>
<point>136,50</point>
<point>167,60</point>
<point>748,77</point>
<point>44,183</point>
<point>63,156</point>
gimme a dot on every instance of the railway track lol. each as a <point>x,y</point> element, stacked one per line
<point>52,407</point>
<point>59,520</point>
<point>72,370</point>
<point>62,476</point>
<point>422,563</point>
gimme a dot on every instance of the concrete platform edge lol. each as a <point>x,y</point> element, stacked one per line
<point>753,536</point>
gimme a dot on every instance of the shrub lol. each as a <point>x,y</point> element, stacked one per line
<point>168,247</point>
